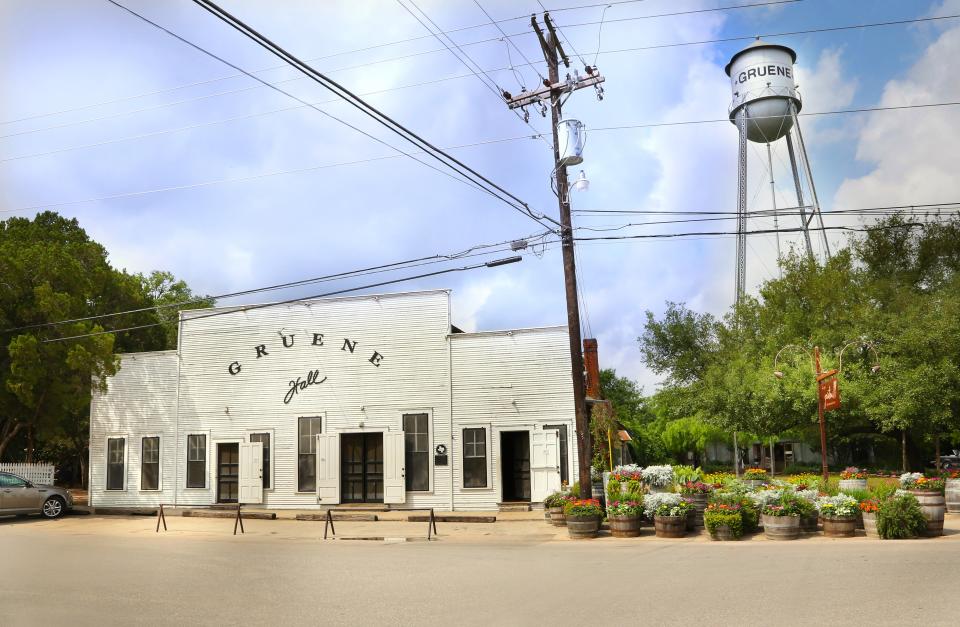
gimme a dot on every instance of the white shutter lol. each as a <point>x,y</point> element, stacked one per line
<point>394,477</point>
<point>544,464</point>
<point>251,472</point>
<point>328,469</point>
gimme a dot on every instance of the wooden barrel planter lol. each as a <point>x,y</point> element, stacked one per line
<point>670,526</point>
<point>722,533</point>
<point>933,505</point>
<point>698,503</point>
<point>557,518</point>
<point>952,495</point>
<point>853,484</point>
<point>624,526</point>
<point>839,527</point>
<point>810,522</point>
<point>583,527</point>
<point>870,524</point>
<point>781,527</point>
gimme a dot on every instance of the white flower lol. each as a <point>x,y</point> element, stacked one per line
<point>765,497</point>
<point>909,478</point>
<point>628,468</point>
<point>841,505</point>
<point>652,501</point>
<point>658,476</point>
<point>807,495</point>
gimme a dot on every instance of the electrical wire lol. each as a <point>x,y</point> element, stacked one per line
<point>487,249</point>
<point>510,41</point>
<point>244,309</point>
<point>375,114</point>
<point>780,211</point>
<point>755,232</point>
<point>276,67</point>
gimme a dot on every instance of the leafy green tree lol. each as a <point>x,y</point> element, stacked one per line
<point>171,296</point>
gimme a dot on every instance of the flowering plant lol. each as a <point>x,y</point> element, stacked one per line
<point>695,487</point>
<point>916,481</point>
<point>755,474</point>
<point>625,508</point>
<point>840,506</point>
<point>658,476</point>
<point>765,497</point>
<point>678,509</point>
<point>625,473</point>
<point>651,502</point>
<point>951,474</point>
<point>804,481</point>
<point>852,472</point>
<point>718,479</point>
<point>582,507</point>
<point>869,506</point>
<point>557,499</point>
<point>779,510</point>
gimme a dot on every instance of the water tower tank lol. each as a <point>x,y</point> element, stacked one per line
<point>761,79</point>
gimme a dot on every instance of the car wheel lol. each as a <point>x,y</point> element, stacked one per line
<point>52,507</point>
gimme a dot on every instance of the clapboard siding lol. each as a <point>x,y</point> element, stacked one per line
<point>508,380</point>
<point>217,385</point>
<point>140,400</point>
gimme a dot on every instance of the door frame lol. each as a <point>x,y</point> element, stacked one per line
<point>340,453</point>
<point>529,428</point>
<point>215,466</point>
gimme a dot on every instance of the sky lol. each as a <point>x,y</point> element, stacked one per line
<point>175,161</point>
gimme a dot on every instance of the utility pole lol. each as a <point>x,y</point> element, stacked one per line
<point>553,90</point>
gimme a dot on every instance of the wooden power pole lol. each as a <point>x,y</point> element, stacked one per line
<point>553,90</point>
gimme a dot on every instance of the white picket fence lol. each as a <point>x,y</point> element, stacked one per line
<point>35,473</point>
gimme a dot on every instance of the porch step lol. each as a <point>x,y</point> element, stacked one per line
<point>359,516</point>
<point>124,511</point>
<point>216,513</point>
<point>514,507</point>
<point>451,518</point>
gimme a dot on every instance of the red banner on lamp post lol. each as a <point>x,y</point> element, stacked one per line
<point>829,390</point>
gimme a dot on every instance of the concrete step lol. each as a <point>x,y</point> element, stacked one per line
<point>124,511</point>
<point>514,507</point>
<point>216,513</point>
<point>359,516</point>
<point>451,518</point>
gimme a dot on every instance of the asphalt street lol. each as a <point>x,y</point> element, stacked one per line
<point>101,572</point>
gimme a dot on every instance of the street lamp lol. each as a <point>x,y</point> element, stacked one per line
<point>828,392</point>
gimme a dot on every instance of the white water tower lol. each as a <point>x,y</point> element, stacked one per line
<point>764,109</point>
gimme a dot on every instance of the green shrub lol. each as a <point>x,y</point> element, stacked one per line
<point>686,474</point>
<point>860,495</point>
<point>900,517</point>
<point>720,515</point>
<point>557,499</point>
<point>883,491</point>
<point>613,489</point>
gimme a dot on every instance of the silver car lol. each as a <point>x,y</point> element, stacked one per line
<point>19,496</point>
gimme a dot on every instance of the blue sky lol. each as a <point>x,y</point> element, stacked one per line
<point>67,58</point>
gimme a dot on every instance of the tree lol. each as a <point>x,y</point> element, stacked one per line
<point>171,296</point>
<point>52,271</point>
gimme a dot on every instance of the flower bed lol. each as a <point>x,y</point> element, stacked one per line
<point>724,522</point>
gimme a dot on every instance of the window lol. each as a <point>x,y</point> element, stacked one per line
<point>197,460</point>
<point>265,439</point>
<point>307,430</point>
<point>475,458</point>
<point>416,431</point>
<point>10,481</point>
<point>115,463</point>
<point>150,463</point>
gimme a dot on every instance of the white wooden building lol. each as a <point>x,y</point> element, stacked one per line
<point>368,399</point>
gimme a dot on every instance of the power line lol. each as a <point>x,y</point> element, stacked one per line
<point>769,212</point>
<point>361,105</point>
<point>465,180</point>
<point>341,69</point>
<point>489,264</point>
<point>756,232</point>
<point>360,161</point>
<point>487,249</point>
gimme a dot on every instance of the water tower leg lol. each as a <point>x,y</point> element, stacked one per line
<point>773,198</point>
<point>796,182</point>
<point>813,188</point>
<point>741,207</point>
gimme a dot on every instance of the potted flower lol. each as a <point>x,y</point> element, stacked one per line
<point>755,477</point>
<point>658,478</point>
<point>583,517</point>
<point>929,492</point>
<point>724,522</point>
<point>852,478</point>
<point>553,505</point>
<point>952,491</point>
<point>624,518</point>
<point>696,494</point>
<point>670,518</point>
<point>781,521</point>
<point>806,506</point>
<point>839,514</point>
<point>868,509</point>
<point>900,517</point>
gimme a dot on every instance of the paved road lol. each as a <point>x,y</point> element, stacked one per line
<point>86,572</point>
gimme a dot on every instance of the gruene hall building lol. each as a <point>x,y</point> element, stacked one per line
<point>367,399</point>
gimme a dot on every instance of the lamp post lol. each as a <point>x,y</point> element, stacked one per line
<point>828,391</point>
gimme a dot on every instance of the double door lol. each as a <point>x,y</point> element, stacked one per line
<point>361,460</point>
